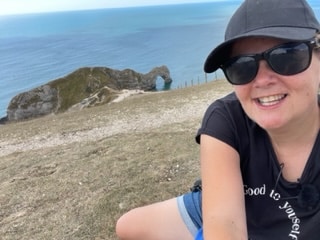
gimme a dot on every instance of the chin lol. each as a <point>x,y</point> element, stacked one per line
<point>270,125</point>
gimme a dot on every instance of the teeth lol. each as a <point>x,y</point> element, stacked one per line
<point>270,100</point>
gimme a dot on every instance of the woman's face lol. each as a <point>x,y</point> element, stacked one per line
<point>274,101</point>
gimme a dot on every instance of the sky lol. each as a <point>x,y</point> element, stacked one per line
<point>8,7</point>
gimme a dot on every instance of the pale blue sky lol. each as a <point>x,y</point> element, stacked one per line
<point>32,6</point>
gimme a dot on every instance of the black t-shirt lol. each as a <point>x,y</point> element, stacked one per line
<point>275,208</point>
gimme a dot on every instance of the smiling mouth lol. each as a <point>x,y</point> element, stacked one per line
<point>271,100</point>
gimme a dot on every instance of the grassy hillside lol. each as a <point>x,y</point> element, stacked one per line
<point>71,175</point>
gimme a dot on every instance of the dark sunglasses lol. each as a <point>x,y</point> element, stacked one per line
<point>285,59</point>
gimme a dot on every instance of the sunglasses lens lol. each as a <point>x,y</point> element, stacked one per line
<point>287,59</point>
<point>241,70</point>
<point>290,59</point>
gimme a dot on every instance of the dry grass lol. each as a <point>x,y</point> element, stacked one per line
<point>70,176</point>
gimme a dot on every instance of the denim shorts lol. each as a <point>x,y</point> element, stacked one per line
<point>190,209</point>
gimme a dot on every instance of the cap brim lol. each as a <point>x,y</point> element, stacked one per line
<point>221,53</point>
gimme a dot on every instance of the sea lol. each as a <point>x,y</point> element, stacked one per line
<point>38,48</point>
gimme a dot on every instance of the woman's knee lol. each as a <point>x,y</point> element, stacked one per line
<point>161,220</point>
<point>127,226</point>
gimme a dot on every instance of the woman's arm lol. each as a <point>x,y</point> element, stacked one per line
<point>223,204</point>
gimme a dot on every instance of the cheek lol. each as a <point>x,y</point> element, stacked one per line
<point>242,92</point>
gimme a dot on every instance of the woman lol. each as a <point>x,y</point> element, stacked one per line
<point>259,151</point>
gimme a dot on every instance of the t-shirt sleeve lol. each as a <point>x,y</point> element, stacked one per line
<point>223,120</point>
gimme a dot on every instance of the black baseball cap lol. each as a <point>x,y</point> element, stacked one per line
<point>292,20</point>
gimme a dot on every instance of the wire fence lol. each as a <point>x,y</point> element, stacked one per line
<point>198,81</point>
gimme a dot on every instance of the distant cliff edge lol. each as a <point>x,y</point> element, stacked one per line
<point>85,87</point>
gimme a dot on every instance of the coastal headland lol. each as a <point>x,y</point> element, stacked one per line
<point>83,88</point>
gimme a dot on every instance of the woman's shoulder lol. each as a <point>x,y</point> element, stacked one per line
<point>231,97</point>
<point>228,103</point>
<point>224,119</point>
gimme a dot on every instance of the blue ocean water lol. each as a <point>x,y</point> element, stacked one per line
<point>38,48</point>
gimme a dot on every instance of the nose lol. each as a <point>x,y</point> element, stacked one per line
<point>265,75</point>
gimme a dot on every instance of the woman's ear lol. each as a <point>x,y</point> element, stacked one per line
<point>317,45</point>
<point>317,38</point>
